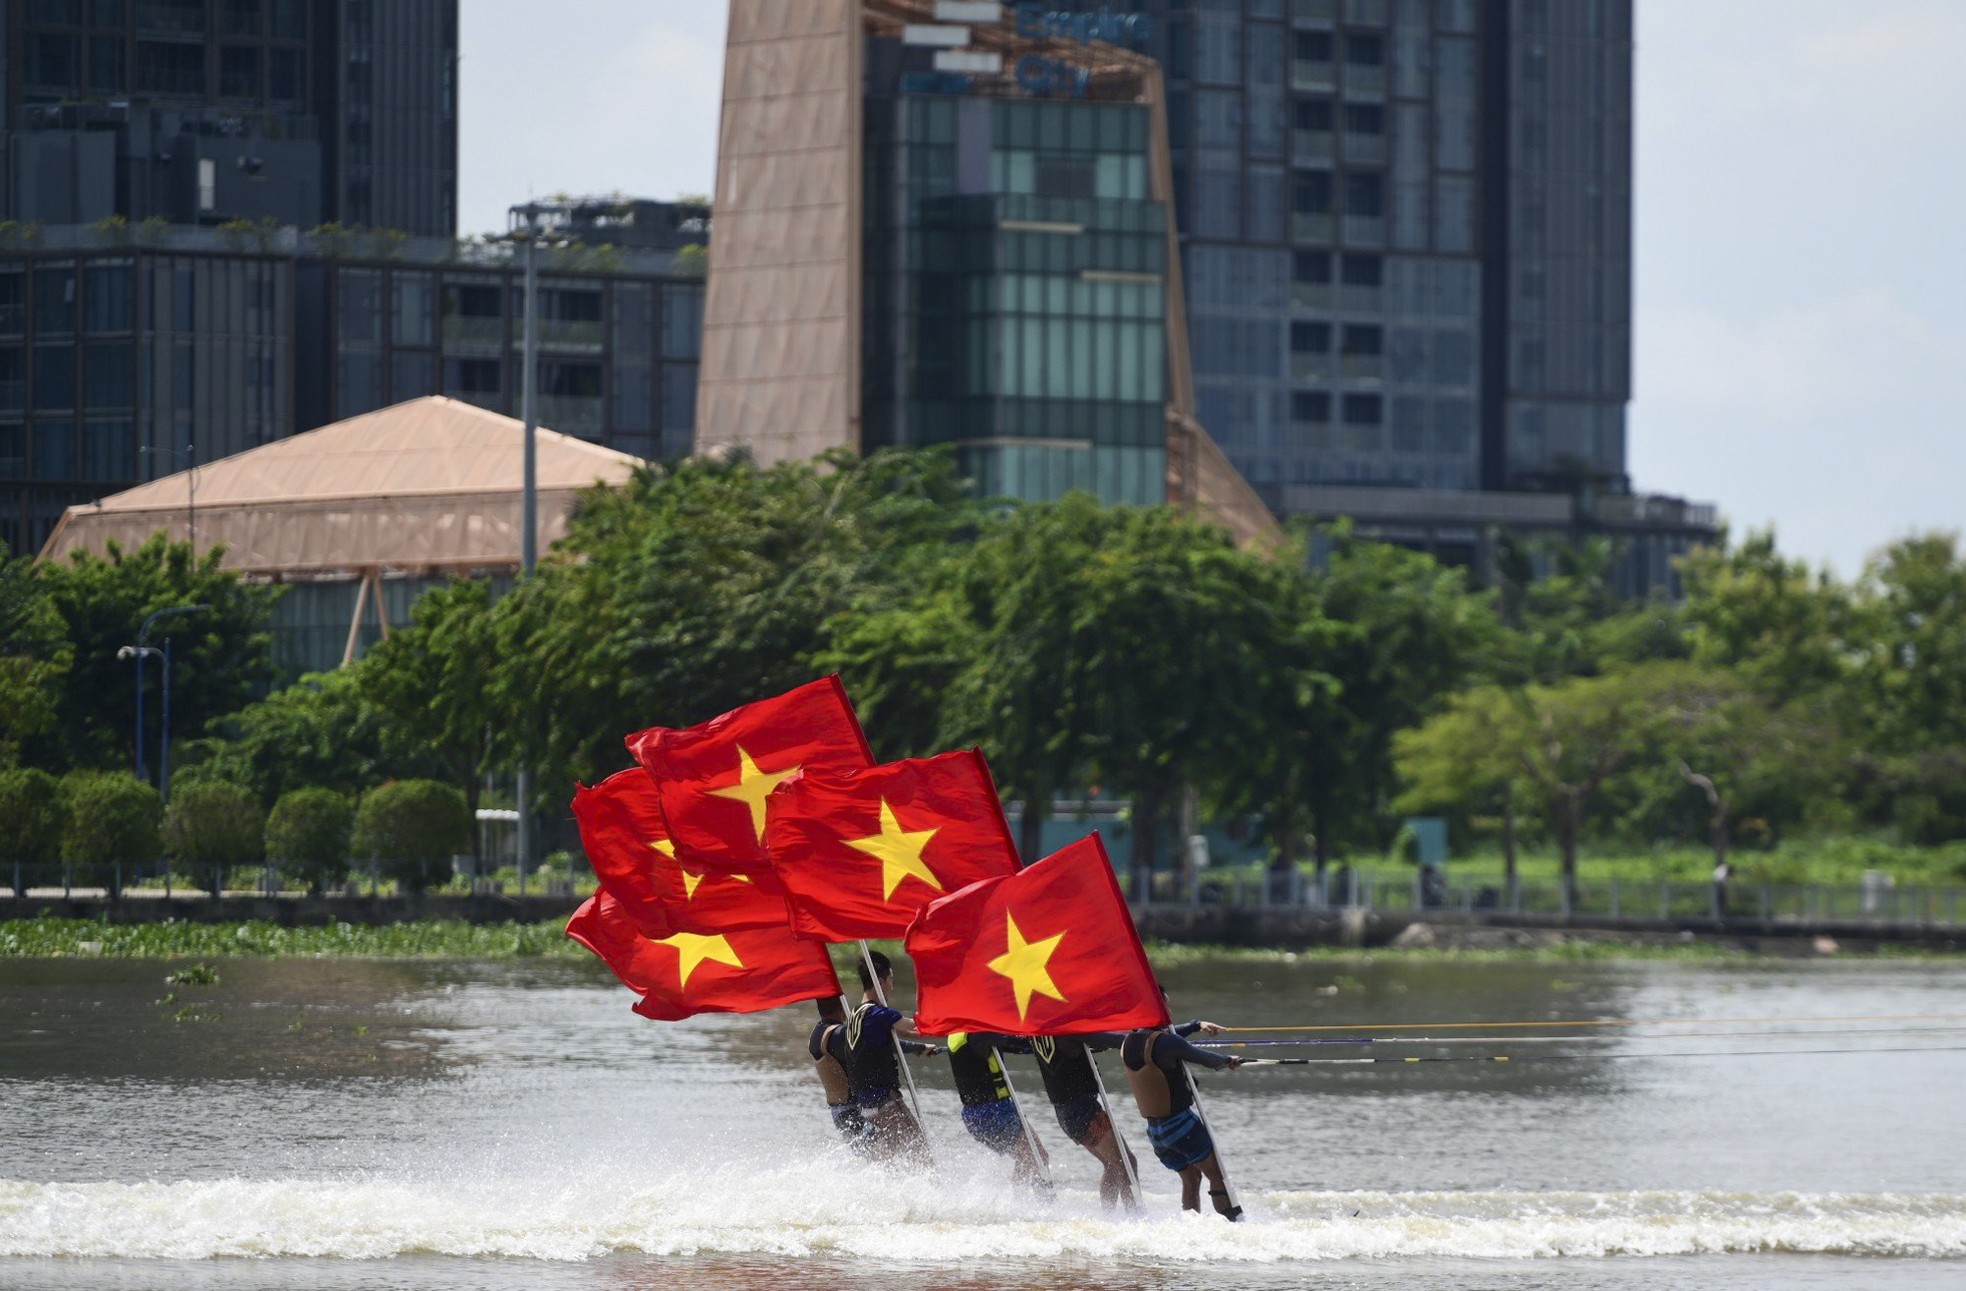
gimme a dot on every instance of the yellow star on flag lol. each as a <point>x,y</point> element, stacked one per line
<point>753,787</point>
<point>900,852</point>
<point>693,948</point>
<point>1024,963</point>
<point>664,846</point>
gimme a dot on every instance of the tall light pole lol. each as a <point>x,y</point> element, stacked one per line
<point>529,500</point>
<point>141,651</point>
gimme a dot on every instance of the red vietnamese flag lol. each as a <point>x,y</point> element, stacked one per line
<point>679,976</point>
<point>860,854</point>
<point>622,830</point>
<point>714,778</point>
<point>1050,950</point>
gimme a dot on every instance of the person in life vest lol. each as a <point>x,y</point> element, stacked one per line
<point>873,1067</point>
<point>1072,1086</point>
<point>1155,1066</point>
<point>989,1112</point>
<point>827,1045</point>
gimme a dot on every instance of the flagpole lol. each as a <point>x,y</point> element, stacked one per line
<point>1030,1130</point>
<point>907,1072</point>
<point>1194,1092</point>
<point>1126,1154</point>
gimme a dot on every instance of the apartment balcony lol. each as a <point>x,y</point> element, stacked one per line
<point>1366,13</point>
<point>571,414</point>
<point>1366,148</point>
<point>1312,367</point>
<point>1306,74</point>
<point>474,333</point>
<point>1362,367</point>
<point>1313,13</point>
<point>1313,145</point>
<point>1365,230</point>
<point>1313,228</point>
<point>489,400</point>
<point>582,336</point>
<point>1354,299</point>
<point>1313,295</point>
<point>1365,82</point>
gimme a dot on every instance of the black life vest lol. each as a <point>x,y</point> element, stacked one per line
<point>1065,1066</point>
<point>979,1074</point>
<point>869,1064</point>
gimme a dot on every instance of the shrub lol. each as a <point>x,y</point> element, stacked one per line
<point>112,817</point>
<point>413,828</point>
<point>31,821</point>
<point>211,826</point>
<point>307,835</point>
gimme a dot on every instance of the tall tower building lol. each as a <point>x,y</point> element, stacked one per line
<point>301,112</point>
<point>1406,234</point>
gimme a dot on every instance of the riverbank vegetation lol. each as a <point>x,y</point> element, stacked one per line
<point>1315,695</point>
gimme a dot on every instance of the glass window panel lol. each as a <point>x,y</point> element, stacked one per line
<point>54,450</point>
<point>359,315</point>
<point>54,301</point>
<point>108,295</point>
<point>413,308</point>
<point>412,375</point>
<point>54,376</point>
<point>109,376</point>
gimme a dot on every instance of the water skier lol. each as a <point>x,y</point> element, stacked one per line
<point>989,1112</point>
<point>827,1045</point>
<point>873,1068</point>
<point>1154,1060</point>
<point>1072,1085</point>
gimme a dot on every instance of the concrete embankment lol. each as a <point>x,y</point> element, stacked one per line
<point>1282,928</point>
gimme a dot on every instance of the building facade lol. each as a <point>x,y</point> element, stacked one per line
<point>936,225</point>
<point>1406,236</point>
<point>297,112</point>
<point>130,354</point>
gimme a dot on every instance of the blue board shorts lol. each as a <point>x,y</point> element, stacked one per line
<point>996,1126</point>
<point>852,1126</point>
<point>1180,1140</point>
<point>1076,1117</point>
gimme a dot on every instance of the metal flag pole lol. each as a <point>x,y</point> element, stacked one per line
<point>1030,1131</point>
<point>907,1073</point>
<point>1194,1092</point>
<point>1126,1153</point>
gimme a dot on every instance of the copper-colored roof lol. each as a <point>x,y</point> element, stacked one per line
<point>428,484</point>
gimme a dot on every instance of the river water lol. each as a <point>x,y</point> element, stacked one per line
<point>433,1125</point>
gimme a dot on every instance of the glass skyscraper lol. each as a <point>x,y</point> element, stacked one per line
<point>1015,272</point>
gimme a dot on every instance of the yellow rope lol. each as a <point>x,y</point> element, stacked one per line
<point>1605,1022</point>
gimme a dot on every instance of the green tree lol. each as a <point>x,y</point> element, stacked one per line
<point>1179,626</point>
<point>34,657</point>
<point>308,834</point>
<point>32,821</point>
<point>113,825</point>
<point>1408,634</point>
<point>1564,741</point>
<point>321,731</point>
<point>434,679</point>
<point>212,826</point>
<point>221,657</point>
<point>696,589</point>
<point>412,828</point>
<point>1782,626</point>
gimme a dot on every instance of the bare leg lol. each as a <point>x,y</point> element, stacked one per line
<point>1191,1188</point>
<point>1114,1188</point>
<point>898,1135</point>
<point>1218,1189</point>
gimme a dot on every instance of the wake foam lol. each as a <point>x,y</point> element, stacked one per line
<point>847,1212</point>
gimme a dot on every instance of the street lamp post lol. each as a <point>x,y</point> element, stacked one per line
<point>529,496</point>
<point>141,651</point>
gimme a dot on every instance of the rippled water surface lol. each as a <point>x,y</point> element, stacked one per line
<point>350,1124</point>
